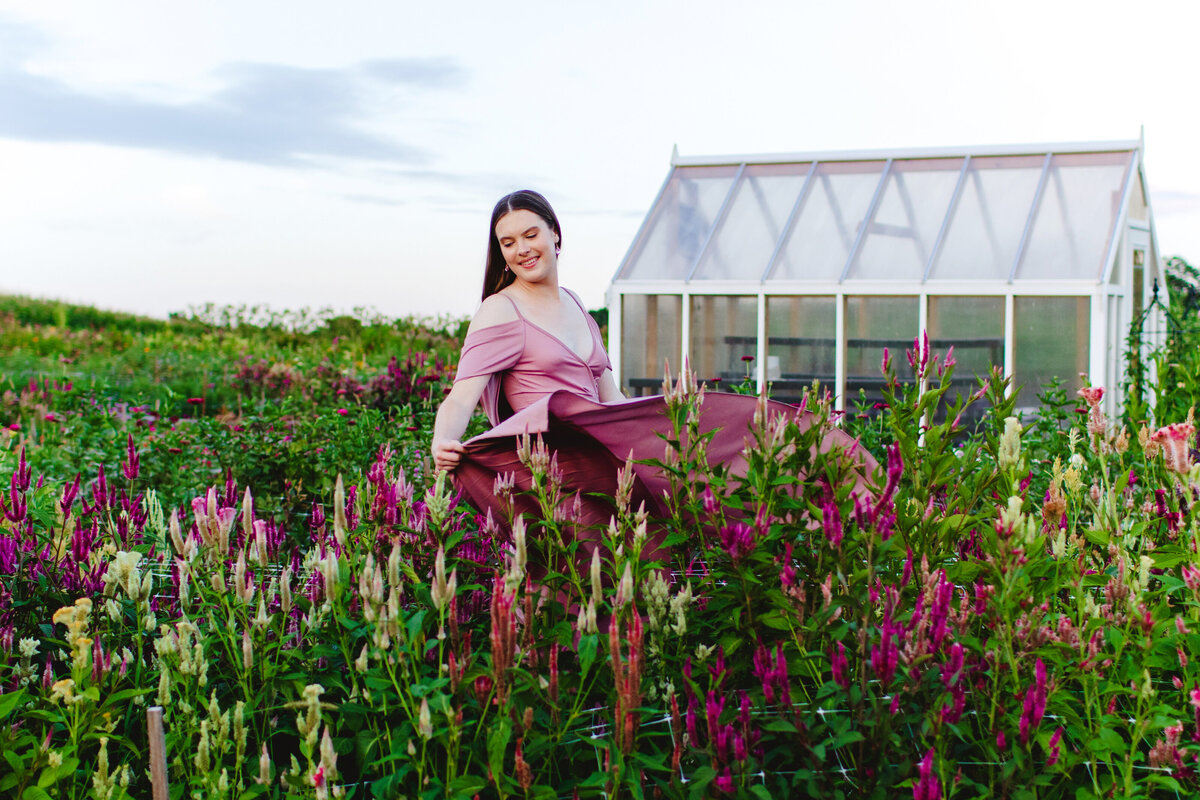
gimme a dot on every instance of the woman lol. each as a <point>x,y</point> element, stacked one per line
<point>530,336</point>
<point>536,359</point>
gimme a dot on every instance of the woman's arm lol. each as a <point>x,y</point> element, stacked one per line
<point>456,410</point>
<point>452,418</point>
<point>609,393</point>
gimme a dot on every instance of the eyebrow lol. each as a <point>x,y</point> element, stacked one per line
<point>522,233</point>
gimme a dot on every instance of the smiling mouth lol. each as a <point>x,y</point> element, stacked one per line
<point>528,263</point>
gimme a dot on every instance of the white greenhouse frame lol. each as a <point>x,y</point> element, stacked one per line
<point>1109,291</point>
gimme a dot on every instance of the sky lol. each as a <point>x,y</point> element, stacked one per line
<point>157,156</point>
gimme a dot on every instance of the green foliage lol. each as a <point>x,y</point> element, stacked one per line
<point>1003,608</point>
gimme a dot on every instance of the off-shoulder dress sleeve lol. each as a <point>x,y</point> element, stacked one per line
<point>491,351</point>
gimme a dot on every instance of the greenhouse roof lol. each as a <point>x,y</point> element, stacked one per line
<point>1045,212</point>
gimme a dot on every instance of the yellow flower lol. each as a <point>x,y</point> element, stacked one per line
<point>63,690</point>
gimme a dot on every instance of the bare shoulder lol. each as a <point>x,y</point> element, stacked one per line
<point>496,310</point>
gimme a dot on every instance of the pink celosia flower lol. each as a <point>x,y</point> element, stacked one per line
<point>1092,395</point>
<point>1173,439</point>
<point>341,411</point>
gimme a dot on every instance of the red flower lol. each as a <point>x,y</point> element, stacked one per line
<point>195,400</point>
<point>341,411</point>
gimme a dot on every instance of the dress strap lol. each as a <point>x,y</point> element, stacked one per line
<point>514,304</point>
<point>578,302</point>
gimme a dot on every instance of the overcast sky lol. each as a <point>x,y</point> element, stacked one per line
<point>158,155</point>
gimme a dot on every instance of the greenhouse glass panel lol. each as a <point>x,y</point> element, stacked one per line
<point>828,221</point>
<point>974,327</point>
<point>873,323</point>
<point>680,223</point>
<point>800,344</point>
<point>1051,341</point>
<point>723,331</point>
<point>901,234</point>
<point>742,245</point>
<point>984,233</point>
<point>1076,216</point>
<point>651,336</point>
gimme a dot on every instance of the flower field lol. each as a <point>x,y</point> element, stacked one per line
<point>232,516</point>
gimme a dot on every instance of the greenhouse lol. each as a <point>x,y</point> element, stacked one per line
<point>800,267</point>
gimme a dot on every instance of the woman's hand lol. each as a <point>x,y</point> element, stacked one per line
<point>447,453</point>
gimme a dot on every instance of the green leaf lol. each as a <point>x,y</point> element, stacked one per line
<point>35,793</point>
<point>780,726</point>
<point>587,652</point>
<point>497,745</point>
<point>10,701</point>
<point>466,786</point>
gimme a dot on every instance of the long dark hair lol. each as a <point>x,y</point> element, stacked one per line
<point>495,277</point>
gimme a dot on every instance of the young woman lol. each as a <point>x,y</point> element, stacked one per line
<point>535,358</point>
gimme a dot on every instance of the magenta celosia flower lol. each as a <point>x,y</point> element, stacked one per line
<point>787,572</point>
<point>953,712</point>
<point>714,705</point>
<point>831,519</point>
<point>952,668</point>
<point>885,656</point>
<point>738,540</point>
<point>724,781</point>
<point>1052,756</point>
<point>927,786</point>
<point>20,478</point>
<point>840,666</point>
<point>129,467</point>
<point>341,411</point>
<point>1035,703</point>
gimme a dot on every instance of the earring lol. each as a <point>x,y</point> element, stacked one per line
<point>506,268</point>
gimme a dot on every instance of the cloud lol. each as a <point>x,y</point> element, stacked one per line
<point>268,114</point>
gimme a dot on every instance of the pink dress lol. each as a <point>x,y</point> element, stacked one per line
<point>541,386</point>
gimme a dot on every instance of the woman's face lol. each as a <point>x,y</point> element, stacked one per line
<point>528,244</point>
